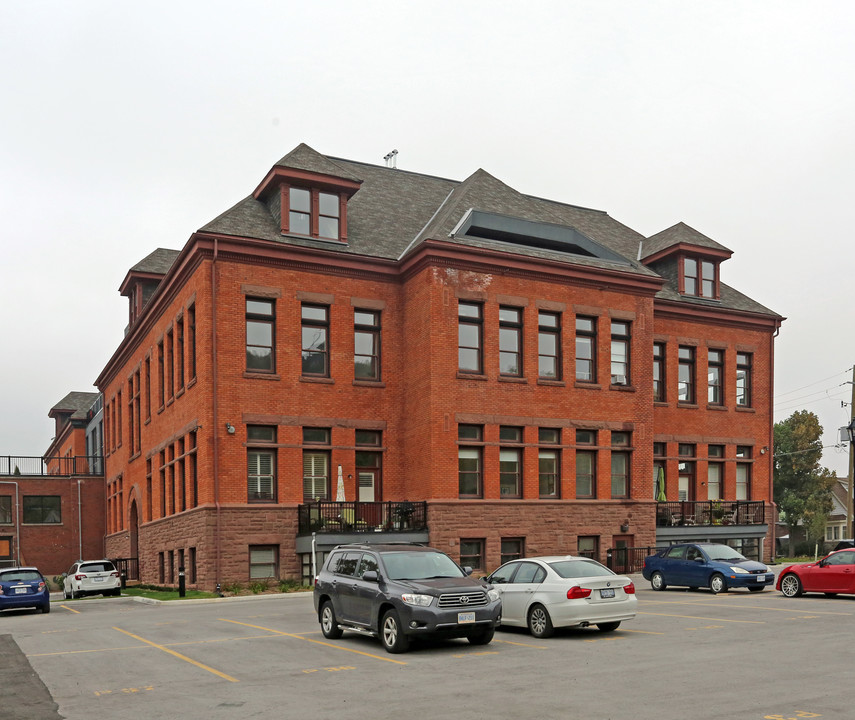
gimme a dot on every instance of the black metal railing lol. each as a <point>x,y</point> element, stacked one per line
<point>628,559</point>
<point>129,568</point>
<point>14,465</point>
<point>711,512</point>
<point>361,517</point>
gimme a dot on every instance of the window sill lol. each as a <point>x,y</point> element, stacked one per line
<point>179,393</point>
<point>134,456</point>
<point>517,380</point>
<point>369,383</point>
<point>687,406</point>
<point>745,409</point>
<point>261,376</point>
<point>470,376</point>
<point>661,403</point>
<point>554,383</point>
<point>622,388</point>
<point>583,385</point>
<point>717,408</point>
<point>191,382</point>
<point>321,380</point>
<point>170,401</point>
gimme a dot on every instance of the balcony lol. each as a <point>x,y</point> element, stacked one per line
<point>362,517</point>
<point>710,512</point>
<point>56,466</point>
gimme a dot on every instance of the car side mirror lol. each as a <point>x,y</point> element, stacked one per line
<point>467,570</point>
<point>699,559</point>
<point>370,576</point>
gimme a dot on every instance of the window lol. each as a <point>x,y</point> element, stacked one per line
<point>715,471</point>
<point>42,510</point>
<point>191,342</point>
<point>703,284</point>
<point>743,473</point>
<point>472,553</point>
<point>300,211</point>
<point>510,463</point>
<point>161,374</point>
<point>469,461</point>
<point>260,335</point>
<point>686,473</point>
<point>263,561</point>
<point>549,346</point>
<point>179,352</point>
<point>5,547</point>
<point>659,471</point>
<point>366,344</point>
<point>586,465</point>
<point>686,375</point>
<point>620,465</point>
<point>743,379</point>
<point>548,463</point>
<point>715,371</point>
<point>328,212</point>
<point>367,464</point>
<point>510,341</point>
<point>170,364</point>
<point>315,329</point>
<point>5,510</point>
<point>469,329</point>
<point>659,372</point>
<point>316,465</point>
<point>512,549</point>
<point>588,546</point>
<point>586,349</point>
<point>261,470</point>
<point>620,353</point>
<point>147,388</point>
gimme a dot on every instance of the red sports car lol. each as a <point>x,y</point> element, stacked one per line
<point>834,574</point>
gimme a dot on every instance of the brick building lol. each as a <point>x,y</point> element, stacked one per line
<point>361,352</point>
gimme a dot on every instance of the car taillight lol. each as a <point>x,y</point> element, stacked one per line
<point>629,589</point>
<point>575,593</point>
<point>79,577</point>
<point>41,587</point>
<point>115,573</point>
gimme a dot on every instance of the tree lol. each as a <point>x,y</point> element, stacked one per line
<point>802,487</point>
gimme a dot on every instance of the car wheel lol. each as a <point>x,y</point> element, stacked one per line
<point>718,584</point>
<point>76,594</point>
<point>391,633</point>
<point>66,594</point>
<point>609,626</point>
<point>791,586</point>
<point>539,622</point>
<point>46,608</point>
<point>482,637</point>
<point>117,592</point>
<point>329,625</point>
<point>657,581</point>
<point>757,589</point>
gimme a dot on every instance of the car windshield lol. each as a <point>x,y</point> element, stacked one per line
<point>579,568</point>
<point>723,552</point>
<point>420,566</point>
<point>19,575</point>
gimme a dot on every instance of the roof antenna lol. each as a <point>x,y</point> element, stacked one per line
<point>391,159</point>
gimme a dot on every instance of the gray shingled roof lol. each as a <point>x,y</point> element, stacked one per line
<point>395,210</point>
<point>77,403</point>
<point>157,262</point>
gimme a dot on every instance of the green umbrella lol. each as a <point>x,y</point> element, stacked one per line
<point>660,482</point>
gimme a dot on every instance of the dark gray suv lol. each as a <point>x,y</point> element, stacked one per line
<point>401,592</point>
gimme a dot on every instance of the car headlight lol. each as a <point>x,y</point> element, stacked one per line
<point>738,570</point>
<point>493,594</point>
<point>420,600</point>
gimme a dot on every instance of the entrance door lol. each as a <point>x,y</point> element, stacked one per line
<point>620,553</point>
<point>134,522</point>
<point>367,479</point>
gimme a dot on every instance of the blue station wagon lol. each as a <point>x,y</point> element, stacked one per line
<point>23,587</point>
<point>718,567</point>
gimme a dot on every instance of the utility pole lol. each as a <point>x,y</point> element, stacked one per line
<point>852,461</point>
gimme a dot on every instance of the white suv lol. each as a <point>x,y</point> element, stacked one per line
<point>91,577</point>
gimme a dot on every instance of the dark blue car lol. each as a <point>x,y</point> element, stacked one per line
<point>23,587</point>
<point>694,565</point>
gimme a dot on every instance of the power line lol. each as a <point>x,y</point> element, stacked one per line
<point>790,392</point>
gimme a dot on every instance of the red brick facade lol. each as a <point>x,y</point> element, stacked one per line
<point>177,476</point>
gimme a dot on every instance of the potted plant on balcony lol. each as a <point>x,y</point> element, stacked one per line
<point>717,513</point>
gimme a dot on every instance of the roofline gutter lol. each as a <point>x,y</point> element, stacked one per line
<point>421,232</point>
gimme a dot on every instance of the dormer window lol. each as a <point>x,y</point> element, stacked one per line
<point>314,213</point>
<point>699,278</point>
<point>300,211</point>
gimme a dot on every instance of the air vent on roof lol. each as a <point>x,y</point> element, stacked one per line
<point>391,159</point>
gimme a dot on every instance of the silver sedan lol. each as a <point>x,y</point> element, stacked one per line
<point>544,593</point>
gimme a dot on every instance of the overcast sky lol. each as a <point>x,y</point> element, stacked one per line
<point>124,128</point>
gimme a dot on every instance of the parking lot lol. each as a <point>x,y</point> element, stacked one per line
<point>686,655</point>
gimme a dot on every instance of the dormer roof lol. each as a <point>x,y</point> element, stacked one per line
<point>681,238</point>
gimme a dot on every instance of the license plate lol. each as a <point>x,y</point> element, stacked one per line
<point>97,579</point>
<point>761,578</point>
<point>607,593</point>
<point>21,591</point>
<point>467,617</point>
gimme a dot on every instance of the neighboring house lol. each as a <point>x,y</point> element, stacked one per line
<point>355,352</point>
<point>52,508</point>
<point>837,527</point>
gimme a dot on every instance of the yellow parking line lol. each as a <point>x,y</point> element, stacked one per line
<point>318,642</point>
<point>65,607</point>
<point>179,655</point>
<point>511,642</point>
<point>696,617</point>
<point>643,632</point>
<point>744,607</point>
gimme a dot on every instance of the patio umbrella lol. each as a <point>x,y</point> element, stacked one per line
<point>339,496</point>
<point>660,481</point>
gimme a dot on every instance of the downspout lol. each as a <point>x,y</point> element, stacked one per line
<point>17,519</point>
<point>79,524</point>
<point>774,549</point>
<point>215,411</point>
